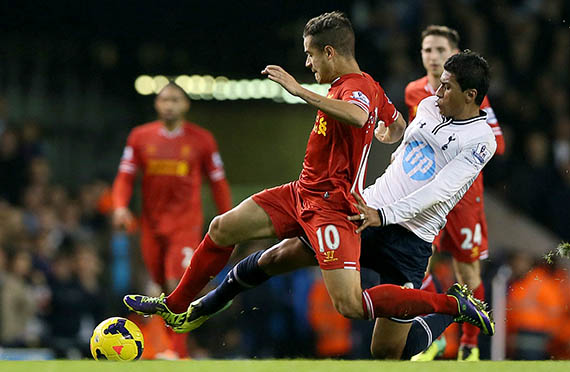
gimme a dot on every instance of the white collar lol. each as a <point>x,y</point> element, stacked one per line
<point>171,133</point>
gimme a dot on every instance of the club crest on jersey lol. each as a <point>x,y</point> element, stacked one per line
<point>361,97</point>
<point>481,153</point>
<point>320,126</point>
<point>449,140</point>
<point>419,161</point>
<point>185,151</point>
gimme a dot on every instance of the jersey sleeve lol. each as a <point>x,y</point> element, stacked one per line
<point>458,173</point>
<point>359,96</point>
<point>213,168</point>
<point>410,104</point>
<point>494,124</point>
<point>362,96</point>
<point>388,112</point>
<point>130,163</point>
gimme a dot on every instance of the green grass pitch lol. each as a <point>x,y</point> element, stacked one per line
<point>296,365</point>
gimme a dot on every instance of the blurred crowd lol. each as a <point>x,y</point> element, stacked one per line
<point>52,245</point>
<point>59,259</point>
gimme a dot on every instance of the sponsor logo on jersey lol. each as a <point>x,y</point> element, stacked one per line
<point>167,167</point>
<point>320,126</point>
<point>419,161</point>
<point>481,153</point>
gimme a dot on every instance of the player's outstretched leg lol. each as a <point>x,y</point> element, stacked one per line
<point>388,300</point>
<point>255,269</point>
<point>245,275</point>
<point>146,305</point>
<point>471,310</point>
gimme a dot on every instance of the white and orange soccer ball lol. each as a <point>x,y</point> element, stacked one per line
<point>117,339</point>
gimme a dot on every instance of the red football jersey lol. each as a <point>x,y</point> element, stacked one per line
<point>337,153</point>
<point>172,165</point>
<point>419,89</point>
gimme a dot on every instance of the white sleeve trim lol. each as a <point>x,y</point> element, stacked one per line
<point>360,104</point>
<point>217,175</point>
<point>127,168</point>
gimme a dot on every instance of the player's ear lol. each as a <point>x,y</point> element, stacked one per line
<point>329,51</point>
<point>470,95</point>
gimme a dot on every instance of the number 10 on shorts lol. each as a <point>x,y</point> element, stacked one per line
<point>331,238</point>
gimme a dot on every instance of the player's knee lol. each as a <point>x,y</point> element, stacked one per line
<point>270,261</point>
<point>348,306</point>
<point>217,231</point>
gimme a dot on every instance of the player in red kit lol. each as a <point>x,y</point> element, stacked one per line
<point>317,204</point>
<point>173,156</point>
<point>465,234</point>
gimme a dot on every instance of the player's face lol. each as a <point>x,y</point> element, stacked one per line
<point>317,61</point>
<point>451,99</point>
<point>171,104</point>
<point>435,51</point>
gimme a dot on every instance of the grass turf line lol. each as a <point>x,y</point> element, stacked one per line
<point>295,365</point>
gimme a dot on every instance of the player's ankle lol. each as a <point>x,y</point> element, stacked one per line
<point>175,307</point>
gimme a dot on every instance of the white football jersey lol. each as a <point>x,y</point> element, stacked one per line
<point>431,170</point>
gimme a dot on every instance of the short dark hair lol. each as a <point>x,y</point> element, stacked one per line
<point>471,72</point>
<point>332,29</point>
<point>450,34</point>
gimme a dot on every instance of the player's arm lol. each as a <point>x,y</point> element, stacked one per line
<point>392,133</point>
<point>343,111</point>
<point>213,167</point>
<point>452,178</point>
<point>123,186</point>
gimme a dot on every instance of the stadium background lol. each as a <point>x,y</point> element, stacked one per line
<point>67,102</point>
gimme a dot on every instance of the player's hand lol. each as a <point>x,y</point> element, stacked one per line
<point>123,218</point>
<point>381,132</point>
<point>283,78</point>
<point>368,216</point>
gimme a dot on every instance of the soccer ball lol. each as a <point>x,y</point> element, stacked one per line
<point>117,339</point>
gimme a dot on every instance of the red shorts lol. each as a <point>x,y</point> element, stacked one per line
<point>167,255</point>
<point>321,218</point>
<point>465,234</point>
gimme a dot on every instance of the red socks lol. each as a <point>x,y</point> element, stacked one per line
<point>208,260</point>
<point>470,335</point>
<point>388,300</point>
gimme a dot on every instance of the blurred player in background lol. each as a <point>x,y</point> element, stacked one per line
<point>465,234</point>
<point>173,156</point>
